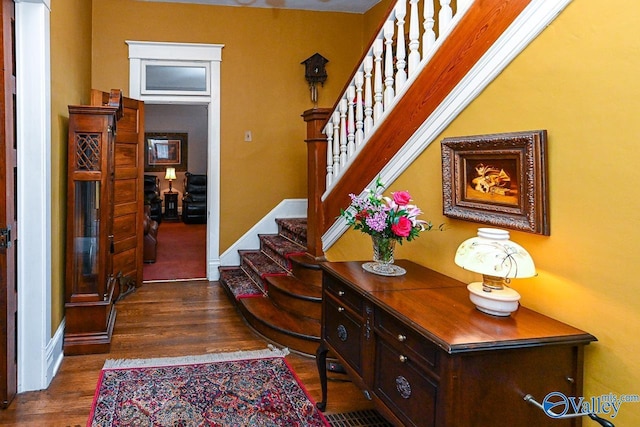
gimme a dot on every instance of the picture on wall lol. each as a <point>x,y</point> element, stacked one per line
<point>162,150</point>
<point>498,179</point>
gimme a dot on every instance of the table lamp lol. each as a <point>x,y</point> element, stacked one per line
<point>499,260</point>
<point>170,174</point>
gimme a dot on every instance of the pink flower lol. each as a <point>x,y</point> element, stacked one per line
<point>401,197</point>
<point>403,227</point>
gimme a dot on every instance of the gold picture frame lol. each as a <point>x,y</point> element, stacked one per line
<point>497,179</point>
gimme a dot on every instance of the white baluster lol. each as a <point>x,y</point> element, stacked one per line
<point>351,125</point>
<point>328,130</point>
<point>359,81</point>
<point>368,94</point>
<point>377,80</point>
<point>343,133</point>
<point>388,64</point>
<point>401,53</point>
<point>336,144</point>
<point>444,17</point>
<point>414,35</point>
<point>429,36</point>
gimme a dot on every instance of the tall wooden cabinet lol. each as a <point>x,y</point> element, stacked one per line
<point>90,283</point>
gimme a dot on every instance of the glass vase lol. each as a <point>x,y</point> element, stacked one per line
<point>383,254</point>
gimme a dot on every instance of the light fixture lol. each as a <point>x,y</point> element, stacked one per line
<point>499,260</point>
<point>170,174</point>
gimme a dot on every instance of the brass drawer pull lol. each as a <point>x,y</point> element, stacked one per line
<point>402,338</point>
<point>340,309</point>
<point>340,293</point>
<point>403,358</point>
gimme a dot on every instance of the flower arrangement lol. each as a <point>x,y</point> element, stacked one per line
<point>385,217</point>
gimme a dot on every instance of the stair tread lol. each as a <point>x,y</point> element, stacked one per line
<point>239,283</point>
<point>307,261</point>
<point>264,310</point>
<point>280,244</point>
<point>294,229</point>
<point>295,287</point>
<point>261,263</point>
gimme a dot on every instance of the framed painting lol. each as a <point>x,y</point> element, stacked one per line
<point>162,150</point>
<point>498,179</point>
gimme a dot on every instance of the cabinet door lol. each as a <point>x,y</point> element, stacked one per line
<point>404,386</point>
<point>128,202</point>
<point>343,331</point>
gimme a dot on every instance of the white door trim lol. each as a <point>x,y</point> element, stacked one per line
<point>38,354</point>
<point>139,51</point>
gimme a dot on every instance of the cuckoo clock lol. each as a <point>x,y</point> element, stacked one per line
<point>315,73</point>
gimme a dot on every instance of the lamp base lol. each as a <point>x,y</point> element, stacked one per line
<point>497,302</point>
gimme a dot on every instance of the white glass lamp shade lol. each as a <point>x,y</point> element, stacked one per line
<point>498,259</point>
<point>170,174</point>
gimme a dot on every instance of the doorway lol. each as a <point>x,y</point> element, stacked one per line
<point>180,246</point>
<point>146,58</point>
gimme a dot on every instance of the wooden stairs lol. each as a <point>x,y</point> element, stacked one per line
<point>278,289</point>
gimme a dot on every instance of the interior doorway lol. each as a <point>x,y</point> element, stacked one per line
<point>198,69</point>
<point>180,245</point>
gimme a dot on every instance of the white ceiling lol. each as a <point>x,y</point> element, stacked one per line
<point>352,6</point>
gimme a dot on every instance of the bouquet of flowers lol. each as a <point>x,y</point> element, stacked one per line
<point>385,217</point>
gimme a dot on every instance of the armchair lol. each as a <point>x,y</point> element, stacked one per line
<point>150,227</point>
<point>194,201</point>
<point>152,196</point>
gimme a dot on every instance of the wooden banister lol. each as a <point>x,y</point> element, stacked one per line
<point>480,27</point>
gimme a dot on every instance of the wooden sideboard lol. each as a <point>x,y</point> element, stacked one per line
<point>426,356</point>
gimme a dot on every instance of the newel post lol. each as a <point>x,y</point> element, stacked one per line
<point>316,173</point>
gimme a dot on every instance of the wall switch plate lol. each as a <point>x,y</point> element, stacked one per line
<point>248,137</point>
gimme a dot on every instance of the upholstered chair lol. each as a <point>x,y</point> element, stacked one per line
<point>194,201</point>
<point>152,196</point>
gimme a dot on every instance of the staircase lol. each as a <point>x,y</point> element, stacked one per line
<point>277,288</point>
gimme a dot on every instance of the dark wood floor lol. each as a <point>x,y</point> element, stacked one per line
<point>159,320</point>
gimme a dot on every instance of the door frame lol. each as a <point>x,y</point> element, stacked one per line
<point>188,53</point>
<point>39,348</point>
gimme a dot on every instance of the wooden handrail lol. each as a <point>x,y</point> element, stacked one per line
<point>477,31</point>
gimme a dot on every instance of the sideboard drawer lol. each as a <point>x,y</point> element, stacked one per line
<point>343,331</point>
<point>404,387</point>
<point>343,293</point>
<point>407,339</point>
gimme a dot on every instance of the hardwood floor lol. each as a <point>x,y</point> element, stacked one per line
<point>159,320</point>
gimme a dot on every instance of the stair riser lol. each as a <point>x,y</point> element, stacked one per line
<point>307,275</point>
<point>300,307</point>
<point>299,344</point>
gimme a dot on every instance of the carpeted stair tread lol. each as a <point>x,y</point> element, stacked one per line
<point>263,310</point>
<point>258,265</point>
<point>294,229</point>
<point>295,288</point>
<point>238,283</point>
<point>280,248</point>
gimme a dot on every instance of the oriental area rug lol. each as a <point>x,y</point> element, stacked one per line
<point>255,388</point>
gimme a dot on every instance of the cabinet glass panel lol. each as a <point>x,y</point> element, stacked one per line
<point>86,234</point>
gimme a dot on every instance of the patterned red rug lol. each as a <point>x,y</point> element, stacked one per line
<point>256,388</point>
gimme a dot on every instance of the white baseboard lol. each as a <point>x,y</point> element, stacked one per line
<point>288,208</point>
<point>55,353</point>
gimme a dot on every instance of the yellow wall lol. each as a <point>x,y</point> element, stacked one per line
<point>70,84</point>
<point>578,80</point>
<point>262,86</point>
